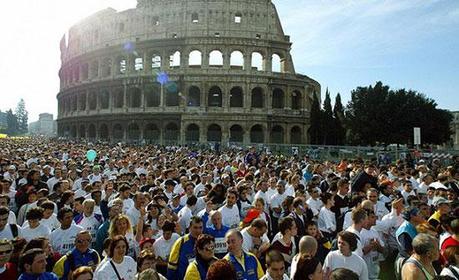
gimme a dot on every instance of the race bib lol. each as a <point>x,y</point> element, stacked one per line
<point>220,245</point>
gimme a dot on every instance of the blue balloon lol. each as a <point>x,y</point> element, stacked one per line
<point>162,78</point>
<point>91,155</point>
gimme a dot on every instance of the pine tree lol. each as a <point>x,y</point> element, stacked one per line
<point>11,122</point>
<point>328,122</point>
<point>339,118</point>
<point>316,121</point>
<point>22,117</point>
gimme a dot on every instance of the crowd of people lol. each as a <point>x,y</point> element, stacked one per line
<point>155,212</point>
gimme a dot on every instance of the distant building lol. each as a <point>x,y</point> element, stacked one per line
<point>455,129</point>
<point>45,125</point>
<point>3,122</point>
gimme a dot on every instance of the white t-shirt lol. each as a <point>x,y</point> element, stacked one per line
<point>163,247</point>
<point>359,250</point>
<point>133,215</point>
<point>52,222</point>
<point>127,270</point>
<point>326,221</point>
<point>63,241</point>
<point>127,204</point>
<point>314,205</point>
<point>90,224</point>
<point>230,216</point>
<point>31,233</point>
<point>276,202</point>
<point>355,263</point>
<point>184,218</point>
<point>447,271</point>
<point>247,243</point>
<point>366,236</point>
<point>7,234</point>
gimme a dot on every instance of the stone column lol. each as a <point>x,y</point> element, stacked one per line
<point>202,132</point>
<point>87,101</point>
<point>146,63</point>
<point>267,62</point>
<point>247,61</point>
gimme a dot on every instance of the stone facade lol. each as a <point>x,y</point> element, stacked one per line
<point>231,75</point>
<point>455,129</point>
<point>45,126</point>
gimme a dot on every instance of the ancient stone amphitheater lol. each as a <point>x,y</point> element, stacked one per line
<point>183,71</point>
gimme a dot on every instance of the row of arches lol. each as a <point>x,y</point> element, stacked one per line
<point>135,97</point>
<point>156,60</point>
<point>193,133</point>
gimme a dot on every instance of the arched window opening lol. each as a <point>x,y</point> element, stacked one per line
<point>92,100</point>
<point>236,134</point>
<point>195,18</point>
<point>215,97</point>
<point>192,133</point>
<point>276,63</point>
<point>175,60</point>
<point>257,98</point>
<point>236,97</point>
<point>296,100</point>
<point>277,134</point>
<point>257,61</point>
<point>119,99</point>
<point>194,97</point>
<point>135,97</point>
<point>152,133</point>
<point>118,133</point>
<point>237,60</point>
<point>238,18</point>
<point>153,95</point>
<point>104,99</point>
<point>295,135</point>
<point>278,99</point>
<point>256,134</point>
<point>171,133</point>
<point>214,133</point>
<point>155,61</point>
<point>138,64</point>
<point>195,58</point>
<point>215,58</point>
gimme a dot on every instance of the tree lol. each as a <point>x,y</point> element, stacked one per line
<point>22,117</point>
<point>378,114</point>
<point>328,122</point>
<point>316,120</point>
<point>11,122</point>
<point>338,117</point>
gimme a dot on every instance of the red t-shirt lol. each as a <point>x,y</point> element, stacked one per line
<point>10,272</point>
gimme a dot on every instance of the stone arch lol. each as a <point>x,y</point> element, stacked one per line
<point>215,97</point>
<point>236,133</point>
<point>138,64</point>
<point>104,97</point>
<point>104,134</point>
<point>94,69</point>
<point>135,97</point>
<point>82,101</point>
<point>192,133</point>
<point>295,135</point>
<point>84,71</point>
<point>194,97</point>
<point>92,132</point>
<point>257,98</point>
<point>236,97</point>
<point>152,133</point>
<point>237,60</point>
<point>238,17</point>
<point>276,63</point>
<point>155,60</point>
<point>257,134</point>
<point>278,98</point>
<point>153,95</point>
<point>82,131</point>
<point>171,132</point>
<point>73,131</point>
<point>118,132</point>
<point>92,100</point>
<point>257,61</point>
<point>106,67</point>
<point>216,58</point>
<point>194,17</point>
<point>277,134</point>
<point>172,95</point>
<point>121,64</point>
<point>175,59</point>
<point>214,133</point>
<point>133,131</point>
<point>195,58</point>
<point>296,100</point>
<point>118,100</point>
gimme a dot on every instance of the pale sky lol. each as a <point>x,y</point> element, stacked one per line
<point>342,44</point>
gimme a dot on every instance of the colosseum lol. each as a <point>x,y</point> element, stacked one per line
<point>183,71</point>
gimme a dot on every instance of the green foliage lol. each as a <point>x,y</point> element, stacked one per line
<point>339,122</point>
<point>12,123</point>
<point>316,121</point>
<point>378,114</point>
<point>22,117</point>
